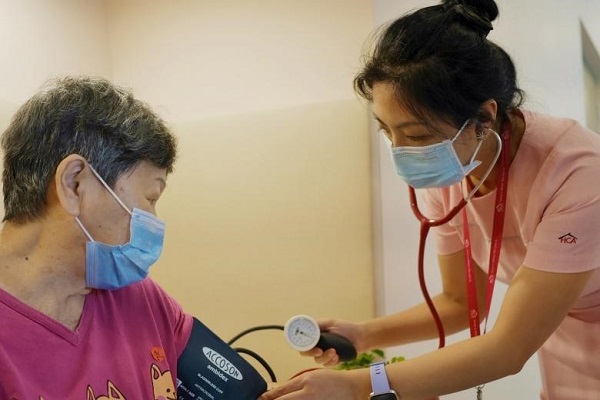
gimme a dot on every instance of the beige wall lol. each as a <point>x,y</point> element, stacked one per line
<point>41,39</point>
<point>199,59</point>
<point>269,216</point>
<point>268,211</point>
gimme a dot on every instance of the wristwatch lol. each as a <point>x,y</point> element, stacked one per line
<point>380,384</point>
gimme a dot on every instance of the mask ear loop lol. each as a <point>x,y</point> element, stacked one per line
<point>461,130</point>
<point>109,189</point>
<point>489,170</point>
<point>83,229</point>
<point>476,150</point>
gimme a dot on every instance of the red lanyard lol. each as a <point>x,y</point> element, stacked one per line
<point>497,229</point>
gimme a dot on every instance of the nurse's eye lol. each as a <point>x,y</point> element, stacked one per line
<point>426,138</point>
<point>421,138</point>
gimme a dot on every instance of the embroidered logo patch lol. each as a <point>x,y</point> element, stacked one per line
<point>158,353</point>
<point>568,239</point>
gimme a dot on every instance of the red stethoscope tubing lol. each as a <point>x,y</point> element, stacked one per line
<point>427,223</point>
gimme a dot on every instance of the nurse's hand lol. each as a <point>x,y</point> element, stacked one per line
<point>323,384</point>
<point>352,331</point>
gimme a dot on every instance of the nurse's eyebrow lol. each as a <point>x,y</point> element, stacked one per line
<point>400,125</point>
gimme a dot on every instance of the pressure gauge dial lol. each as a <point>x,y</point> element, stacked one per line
<point>302,332</point>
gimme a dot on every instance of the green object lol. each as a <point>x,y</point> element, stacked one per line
<point>363,360</point>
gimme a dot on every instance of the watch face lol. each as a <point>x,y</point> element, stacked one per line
<point>385,396</point>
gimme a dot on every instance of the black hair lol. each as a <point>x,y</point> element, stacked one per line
<point>441,63</point>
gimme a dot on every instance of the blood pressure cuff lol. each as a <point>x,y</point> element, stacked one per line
<point>209,369</point>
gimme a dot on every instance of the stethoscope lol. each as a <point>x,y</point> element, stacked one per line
<point>427,223</point>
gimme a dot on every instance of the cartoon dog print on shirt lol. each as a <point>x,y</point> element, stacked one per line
<point>162,384</point>
<point>112,393</point>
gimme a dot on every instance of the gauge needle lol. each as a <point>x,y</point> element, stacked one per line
<point>298,331</point>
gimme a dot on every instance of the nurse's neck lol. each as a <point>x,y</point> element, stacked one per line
<point>486,187</point>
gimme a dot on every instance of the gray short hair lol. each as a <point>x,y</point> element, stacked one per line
<point>87,116</point>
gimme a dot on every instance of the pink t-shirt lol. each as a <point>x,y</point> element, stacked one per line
<point>552,223</point>
<point>125,348</point>
<point>552,220</point>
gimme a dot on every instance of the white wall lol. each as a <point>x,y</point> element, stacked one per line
<point>591,58</point>
<point>543,38</point>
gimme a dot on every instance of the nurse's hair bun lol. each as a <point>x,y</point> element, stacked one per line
<point>475,14</point>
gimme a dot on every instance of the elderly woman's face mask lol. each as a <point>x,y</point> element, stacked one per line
<point>115,266</point>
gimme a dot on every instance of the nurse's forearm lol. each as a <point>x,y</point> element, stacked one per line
<point>454,368</point>
<point>416,324</point>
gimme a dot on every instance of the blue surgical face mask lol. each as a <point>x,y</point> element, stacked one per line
<point>115,266</point>
<point>436,165</point>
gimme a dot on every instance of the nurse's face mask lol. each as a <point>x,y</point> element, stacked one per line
<point>435,165</point>
<point>115,266</point>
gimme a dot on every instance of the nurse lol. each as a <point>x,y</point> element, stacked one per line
<point>520,190</point>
